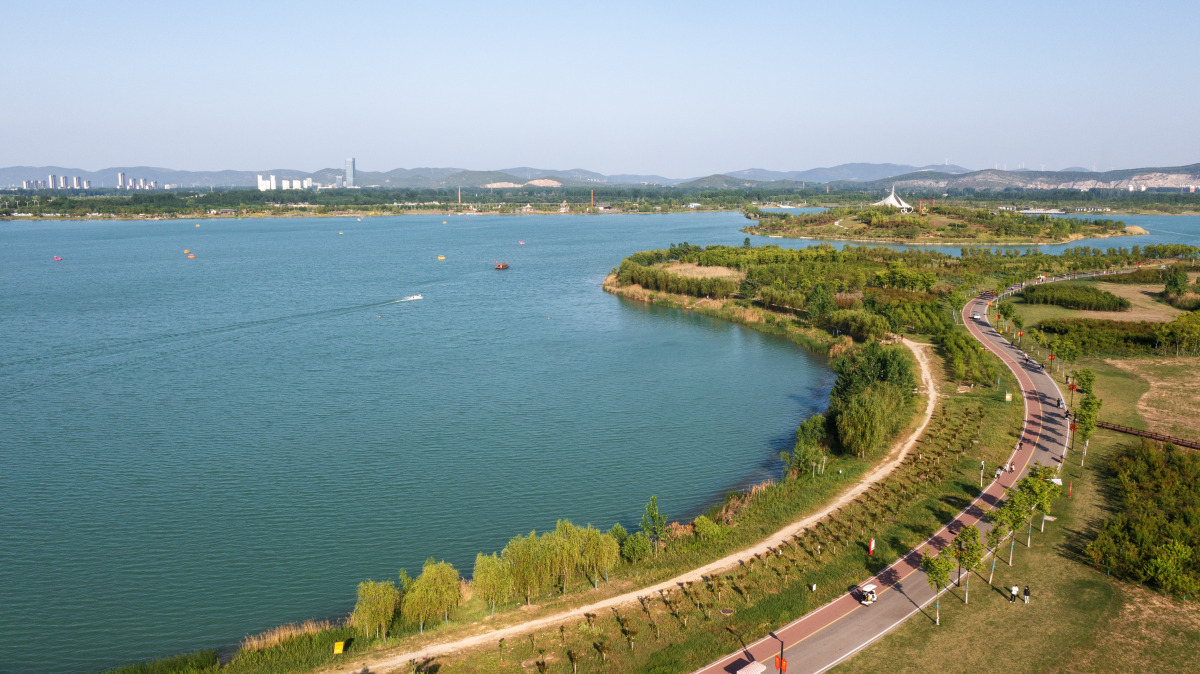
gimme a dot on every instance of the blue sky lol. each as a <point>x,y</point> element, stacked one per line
<point>674,88</point>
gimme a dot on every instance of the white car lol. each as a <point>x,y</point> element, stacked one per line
<point>975,315</point>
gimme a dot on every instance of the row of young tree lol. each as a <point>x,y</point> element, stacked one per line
<point>1033,495</point>
<point>1075,296</point>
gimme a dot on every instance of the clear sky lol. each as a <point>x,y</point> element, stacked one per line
<point>673,88</point>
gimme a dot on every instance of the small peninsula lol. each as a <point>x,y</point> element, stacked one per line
<point>900,223</point>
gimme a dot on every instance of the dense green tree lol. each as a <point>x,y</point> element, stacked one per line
<point>820,303</point>
<point>1176,281</point>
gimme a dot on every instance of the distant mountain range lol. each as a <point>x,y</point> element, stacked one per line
<point>846,176</point>
<point>1074,179</point>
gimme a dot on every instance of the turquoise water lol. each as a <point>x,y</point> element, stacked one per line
<point>197,449</point>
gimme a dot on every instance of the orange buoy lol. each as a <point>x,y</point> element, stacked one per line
<point>191,256</point>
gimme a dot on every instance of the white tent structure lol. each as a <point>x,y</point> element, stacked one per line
<point>894,201</point>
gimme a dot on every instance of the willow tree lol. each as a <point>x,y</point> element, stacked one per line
<point>433,593</point>
<point>492,579</point>
<point>599,553</point>
<point>529,563</point>
<point>562,550</point>
<point>375,608</point>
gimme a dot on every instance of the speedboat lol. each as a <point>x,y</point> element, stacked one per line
<point>412,297</point>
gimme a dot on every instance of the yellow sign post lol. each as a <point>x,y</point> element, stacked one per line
<point>1007,397</point>
<point>338,646</point>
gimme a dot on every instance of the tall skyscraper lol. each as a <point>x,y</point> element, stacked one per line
<point>350,172</point>
<point>53,182</point>
<point>120,181</point>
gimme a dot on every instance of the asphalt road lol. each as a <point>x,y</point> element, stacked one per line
<point>841,628</point>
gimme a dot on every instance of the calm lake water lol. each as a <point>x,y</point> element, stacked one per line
<point>197,449</point>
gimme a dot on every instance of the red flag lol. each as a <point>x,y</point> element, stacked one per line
<point>871,547</point>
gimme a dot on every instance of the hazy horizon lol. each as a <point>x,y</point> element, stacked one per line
<point>677,91</point>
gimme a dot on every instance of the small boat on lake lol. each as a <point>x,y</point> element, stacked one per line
<point>501,265</point>
<point>411,298</point>
<point>520,243</point>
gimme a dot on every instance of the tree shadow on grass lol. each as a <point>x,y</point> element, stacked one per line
<point>1076,539</point>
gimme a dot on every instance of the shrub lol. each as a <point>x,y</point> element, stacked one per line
<point>637,548</point>
<point>1155,533</point>
<point>706,529</point>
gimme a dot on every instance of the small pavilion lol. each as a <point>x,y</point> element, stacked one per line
<point>894,201</point>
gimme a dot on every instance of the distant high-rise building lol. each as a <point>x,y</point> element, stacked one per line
<point>53,181</point>
<point>75,182</point>
<point>274,185</point>
<point>263,185</point>
<point>350,172</point>
<point>120,181</point>
<point>62,182</point>
<point>308,183</point>
<point>87,184</point>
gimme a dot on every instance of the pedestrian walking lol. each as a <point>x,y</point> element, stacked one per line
<point>1012,595</point>
<point>1026,594</point>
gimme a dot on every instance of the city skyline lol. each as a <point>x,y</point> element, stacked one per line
<point>616,89</point>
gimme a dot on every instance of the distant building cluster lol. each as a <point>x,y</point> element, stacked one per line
<point>126,183</point>
<point>269,182</point>
<point>54,182</point>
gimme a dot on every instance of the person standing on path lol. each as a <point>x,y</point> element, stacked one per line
<point>1012,595</point>
<point>1026,594</point>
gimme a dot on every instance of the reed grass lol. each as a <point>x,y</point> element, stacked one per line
<point>278,635</point>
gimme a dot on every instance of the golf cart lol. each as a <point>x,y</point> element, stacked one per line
<point>868,594</point>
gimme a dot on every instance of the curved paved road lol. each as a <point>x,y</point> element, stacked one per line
<point>812,643</point>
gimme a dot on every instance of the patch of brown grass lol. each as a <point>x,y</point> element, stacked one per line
<point>1172,405</point>
<point>693,270</point>
<point>1146,307</point>
<point>283,633</point>
<point>1148,624</point>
